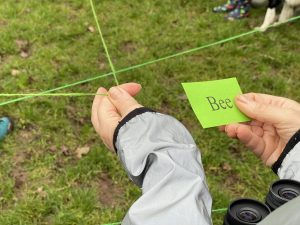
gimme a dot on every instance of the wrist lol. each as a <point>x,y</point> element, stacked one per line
<point>127,118</point>
<point>294,140</point>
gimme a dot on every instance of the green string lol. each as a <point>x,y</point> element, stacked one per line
<point>219,210</point>
<point>144,64</point>
<point>103,42</point>
<point>214,210</point>
<point>56,89</point>
<point>51,94</point>
<point>117,223</point>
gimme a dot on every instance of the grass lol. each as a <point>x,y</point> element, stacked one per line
<point>42,182</point>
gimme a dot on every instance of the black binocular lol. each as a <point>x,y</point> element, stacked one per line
<point>250,212</point>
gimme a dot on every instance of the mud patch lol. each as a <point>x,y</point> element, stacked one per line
<point>165,107</point>
<point>235,150</point>
<point>27,136</point>
<point>27,132</point>
<point>21,157</point>
<point>18,174</point>
<point>73,114</point>
<point>19,177</point>
<point>128,47</point>
<point>3,23</point>
<point>232,182</point>
<point>110,193</point>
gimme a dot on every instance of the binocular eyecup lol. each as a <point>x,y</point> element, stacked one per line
<point>246,212</point>
<point>250,212</point>
<point>281,192</point>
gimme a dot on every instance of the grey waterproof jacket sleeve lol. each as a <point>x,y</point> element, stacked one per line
<point>161,157</point>
<point>288,164</point>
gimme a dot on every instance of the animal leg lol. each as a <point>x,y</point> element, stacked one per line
<point>269,19</point>
<point>286,13</point>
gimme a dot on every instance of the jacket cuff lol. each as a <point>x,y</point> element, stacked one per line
<point>290,145</point>
<point>128,117</point>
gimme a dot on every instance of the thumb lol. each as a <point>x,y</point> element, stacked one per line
<point>131,88</point>
<point>122,100</point>
<point>261,111</point>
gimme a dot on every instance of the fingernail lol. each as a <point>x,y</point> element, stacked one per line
<point>225,129</point>
<point>115,92</point>
<point>242,99</point>
<point>101,91</point>
<point>245,100</point>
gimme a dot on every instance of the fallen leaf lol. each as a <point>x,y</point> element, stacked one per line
<point>102,66</point>
<point>82,151</point>
<point>226,167</point>
<point>24,47</point>
<point>22,43</point>
<point>91,29</point>
<point>53,148</point>
<point>15,72</point>
<point>24,54</point>
<point>40,191</point>
<point>65,151</point>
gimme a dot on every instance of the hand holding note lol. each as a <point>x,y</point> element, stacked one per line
<point>274,121</point>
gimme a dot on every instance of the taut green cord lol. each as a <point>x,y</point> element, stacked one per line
<point>143,64</point>
<point>219,210</point>
<point>117,223</point>
<point>51,94</point>
<point>214,210</point>
<point>103,42</point>
<point>56,89</point>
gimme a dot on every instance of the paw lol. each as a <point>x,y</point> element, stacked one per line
<point>277,24</point>
<point>261,28</point>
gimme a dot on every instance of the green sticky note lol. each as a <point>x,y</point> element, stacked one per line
<point>213,101</point>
